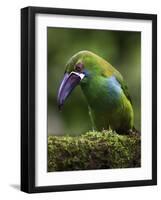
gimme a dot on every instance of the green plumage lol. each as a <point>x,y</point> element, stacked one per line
<point>105,90</point>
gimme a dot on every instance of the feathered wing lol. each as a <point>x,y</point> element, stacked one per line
<point>109,70</point>
<point>124,87</point>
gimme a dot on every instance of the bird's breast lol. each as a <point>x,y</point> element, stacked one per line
<point>103,93</point>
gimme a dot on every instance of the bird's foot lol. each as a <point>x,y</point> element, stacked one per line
<point>133,132</point>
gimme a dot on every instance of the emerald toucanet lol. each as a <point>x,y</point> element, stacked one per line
<point>107,95</point>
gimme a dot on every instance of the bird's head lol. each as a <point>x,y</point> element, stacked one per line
<point>79,70</point>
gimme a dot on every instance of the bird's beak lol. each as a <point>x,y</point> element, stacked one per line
<point>69,82</point>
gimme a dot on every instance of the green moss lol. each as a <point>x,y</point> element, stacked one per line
<point>93,150</point>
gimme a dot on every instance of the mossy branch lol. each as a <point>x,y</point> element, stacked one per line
<point>93,150</point>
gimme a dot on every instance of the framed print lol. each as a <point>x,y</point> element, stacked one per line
<point>88,99</point>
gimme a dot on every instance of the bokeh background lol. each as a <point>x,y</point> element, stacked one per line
<point>121,48</point>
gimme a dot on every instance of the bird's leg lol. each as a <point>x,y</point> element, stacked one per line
<point>91,118</point>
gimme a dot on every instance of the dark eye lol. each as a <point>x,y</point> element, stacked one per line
<point>79,67</point>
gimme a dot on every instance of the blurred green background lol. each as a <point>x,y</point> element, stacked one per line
<point>120,48</point>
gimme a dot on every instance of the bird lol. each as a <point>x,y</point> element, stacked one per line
<point>109,103</point>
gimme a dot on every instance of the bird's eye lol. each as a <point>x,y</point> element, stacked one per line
<point>79,67</point>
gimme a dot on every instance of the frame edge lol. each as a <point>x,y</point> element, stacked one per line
<point>24,100</point>
<point>27,101</point>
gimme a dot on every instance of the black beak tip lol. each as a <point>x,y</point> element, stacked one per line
<point>60,107</point>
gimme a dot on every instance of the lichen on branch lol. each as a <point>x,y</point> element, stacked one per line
<point>93,150</point>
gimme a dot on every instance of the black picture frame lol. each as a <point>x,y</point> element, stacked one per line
<point>28,98</point>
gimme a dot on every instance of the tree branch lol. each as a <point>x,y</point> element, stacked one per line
<point>93,150</point>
